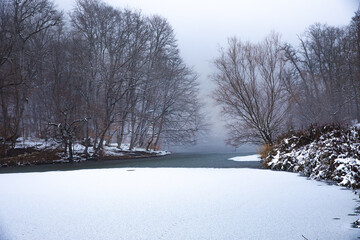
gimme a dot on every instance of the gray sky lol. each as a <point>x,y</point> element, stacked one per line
<point>202,26</point>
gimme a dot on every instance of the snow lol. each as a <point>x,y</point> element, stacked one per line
<point>333,156</point>
<point>78,149</point>
<point>36,143</point>
<point>172,203</point>
<point>250,158</point>
<point>125,147</point>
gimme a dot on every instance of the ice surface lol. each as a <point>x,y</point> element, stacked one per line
<point>163,203</point>
<point>249,158</point>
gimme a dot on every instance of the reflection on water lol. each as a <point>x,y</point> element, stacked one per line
<point>177,160</point>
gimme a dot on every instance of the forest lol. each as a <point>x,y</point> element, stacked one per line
<point>96,74</point>
<point>271,88</point>
<point>91,98</point>
<point>102,74</point>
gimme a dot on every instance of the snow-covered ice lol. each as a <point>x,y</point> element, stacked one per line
<point>249,158</point>
<point>172,203</point>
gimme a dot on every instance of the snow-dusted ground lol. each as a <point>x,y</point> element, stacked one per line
<point>37,143</point>
<point>78,149</point>
<point>250,158</point>
<point>172,203</point>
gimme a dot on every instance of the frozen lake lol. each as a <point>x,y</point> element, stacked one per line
<point>173,203</point>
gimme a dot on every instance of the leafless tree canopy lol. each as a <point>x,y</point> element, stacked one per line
<point>249,88</point>
<point>325,81</point>
<point>270,87</point>
<point>106,74</point>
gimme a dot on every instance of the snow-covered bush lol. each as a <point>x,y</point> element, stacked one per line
<point>357,223</point>
<point>322,153</point>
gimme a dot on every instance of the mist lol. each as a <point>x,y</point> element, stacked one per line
<point>203,27</point>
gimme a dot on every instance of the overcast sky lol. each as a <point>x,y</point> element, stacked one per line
<point>202,26</point>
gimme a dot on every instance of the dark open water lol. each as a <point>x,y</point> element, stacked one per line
<point>176,160</point>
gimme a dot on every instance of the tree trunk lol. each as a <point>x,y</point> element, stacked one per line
<point>71,157</point>
<point>120,137</point>
<point>101,140</point>
<point>87,141</point>
<point>4,115</point>
<point>158,134</point>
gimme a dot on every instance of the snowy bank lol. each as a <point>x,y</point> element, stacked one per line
<point>40,151</point>
<point>324,153</point>
<point>162,203</point>
<point>329,153</point>
<point>249,158</point>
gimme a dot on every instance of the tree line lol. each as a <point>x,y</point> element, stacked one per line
<point>269,88</point>
<point>98,74</point>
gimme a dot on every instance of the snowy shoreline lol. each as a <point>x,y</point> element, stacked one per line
<point>327,153</point>
<point>41,152</point>
<point>249,158</point>
<point>323,153</point>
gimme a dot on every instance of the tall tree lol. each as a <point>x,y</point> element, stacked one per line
<point>21,21</point>
<point>109,71</point>
<point>324,84</point>
<point>249,89</point>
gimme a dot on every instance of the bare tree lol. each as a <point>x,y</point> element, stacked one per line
<point>352,41</point>
<point>324,86</point>
<point>20,22</point>
<point>115,40</point>
<point>249,88</point>
<point>65,131</point>
<point>173,112</point>
<point>116,68</point>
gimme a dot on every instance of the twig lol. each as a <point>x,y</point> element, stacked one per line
<point>304,237</point>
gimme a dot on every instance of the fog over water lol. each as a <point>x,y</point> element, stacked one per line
<point>203,26</point>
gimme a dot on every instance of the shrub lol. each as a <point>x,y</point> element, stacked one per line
<point>328,152</point>
<point>265,150</point>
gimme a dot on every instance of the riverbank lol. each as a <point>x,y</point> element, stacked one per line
<point>330,153</point>
<point>41,152</point>
<point>327,153</point>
